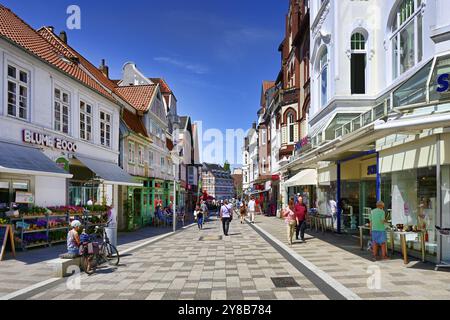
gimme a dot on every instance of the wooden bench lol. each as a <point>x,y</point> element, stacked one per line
<point>65,267</point>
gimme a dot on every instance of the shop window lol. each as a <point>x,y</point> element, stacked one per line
<point>85,121</point>
<point>358,64</point>
<point>61,110</point>
<point>105,129</point>
<point>414,197</point>
<point>407,37</point>
<point>18,92</point>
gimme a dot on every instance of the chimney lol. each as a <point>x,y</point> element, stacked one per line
<point>51,28</point>
<point>63,36</point>
<point>104,68</point>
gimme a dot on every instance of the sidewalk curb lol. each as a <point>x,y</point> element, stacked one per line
<point>49,282</point>
<point>323,276</point>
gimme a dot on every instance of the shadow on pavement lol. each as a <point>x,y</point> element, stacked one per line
<point>39,255</point>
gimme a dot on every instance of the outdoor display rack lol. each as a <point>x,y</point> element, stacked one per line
<point>40,230</point>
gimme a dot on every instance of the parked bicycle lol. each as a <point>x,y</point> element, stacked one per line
<point>94,254</point>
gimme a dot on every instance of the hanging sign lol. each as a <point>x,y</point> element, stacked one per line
<point>6,234</point>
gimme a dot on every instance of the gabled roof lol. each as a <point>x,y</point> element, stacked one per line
<point>134,123</point>
<point>267,85</point>
<point>46,33</point>
<point>139,97</point>
<point>163,85</point>
<point>15,30</point>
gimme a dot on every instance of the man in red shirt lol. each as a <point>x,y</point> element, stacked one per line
<point>301,212</point>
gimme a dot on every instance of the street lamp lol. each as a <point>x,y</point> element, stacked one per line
<point>174,119</point>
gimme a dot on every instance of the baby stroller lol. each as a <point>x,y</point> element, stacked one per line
<point>444,232</point>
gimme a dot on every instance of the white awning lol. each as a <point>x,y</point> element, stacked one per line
<point>303,178</point>
<point>18,159</point>
<point>109,172</point>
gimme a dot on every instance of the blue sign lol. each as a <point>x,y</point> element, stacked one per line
<point>443,82</point>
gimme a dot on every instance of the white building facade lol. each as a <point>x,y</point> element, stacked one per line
<point>47,111</point>
<point>379,115</point>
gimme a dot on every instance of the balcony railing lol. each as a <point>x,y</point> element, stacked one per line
<point>363,120</point>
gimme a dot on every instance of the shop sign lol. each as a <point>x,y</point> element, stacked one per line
<point>24,197</point>
<point>443,82</point>
<point>302,144</point>
<point>63,163</point>
<point>48,141</point>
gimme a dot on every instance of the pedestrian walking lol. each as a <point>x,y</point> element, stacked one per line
<point>198,213</point>
<point>378,230</point>
<point>301,213</point>
<point>291,220</point>
<point>252,209</point>
<point>243,212</point>
<point>226,216</point>
<point>205,210</point>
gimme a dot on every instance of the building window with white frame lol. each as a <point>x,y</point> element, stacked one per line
<point>85,121</point>
<point>291,127</point>
<point>141,156</point>
<point>151,159</point>
<point>18,92</point>
<point>105,129</point>
<point>61,110</point>
<point>323,77</point>
<point>131,153</point>
<point>407,37</point>
<point>358,63</point>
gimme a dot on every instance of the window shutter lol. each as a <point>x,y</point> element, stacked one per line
<point>284,135</point>
<point>296,139</point>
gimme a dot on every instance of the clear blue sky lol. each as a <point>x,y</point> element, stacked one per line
<point>213,53</point>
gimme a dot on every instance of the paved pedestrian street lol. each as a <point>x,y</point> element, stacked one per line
<point>253,263</point>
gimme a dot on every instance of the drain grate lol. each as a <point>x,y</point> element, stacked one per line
<point>285,282</point>
<point>210,238</point>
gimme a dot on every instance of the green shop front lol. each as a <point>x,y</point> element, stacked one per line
<point>141,203</point>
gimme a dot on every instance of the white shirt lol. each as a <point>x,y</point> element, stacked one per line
<point>252,205</point>
<point>226,211</point>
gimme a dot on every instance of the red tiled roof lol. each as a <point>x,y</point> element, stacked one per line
<point>64,47</point>
<point>267,85</point>
<point>134,122</point>
<point>138,96</point>
<point>163,85</point>
<point>23,35</point>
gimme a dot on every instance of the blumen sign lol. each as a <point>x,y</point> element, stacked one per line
<point>44,140</point>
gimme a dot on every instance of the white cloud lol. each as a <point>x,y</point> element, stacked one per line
<point>195,68</point>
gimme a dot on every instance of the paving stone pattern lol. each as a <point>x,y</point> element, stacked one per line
<point>340,257</point>
<point>181,267</point>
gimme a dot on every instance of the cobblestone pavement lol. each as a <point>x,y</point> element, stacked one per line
<point>181,267</point>
<point>341,258</point>
<point>243,267</point>
<point>30,268</point>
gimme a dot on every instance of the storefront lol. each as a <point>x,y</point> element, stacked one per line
<point>304,183</point>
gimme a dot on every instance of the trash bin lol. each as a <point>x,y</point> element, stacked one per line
<point>112,235</point>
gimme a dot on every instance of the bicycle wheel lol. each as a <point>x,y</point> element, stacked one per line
<point>110,254</point>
